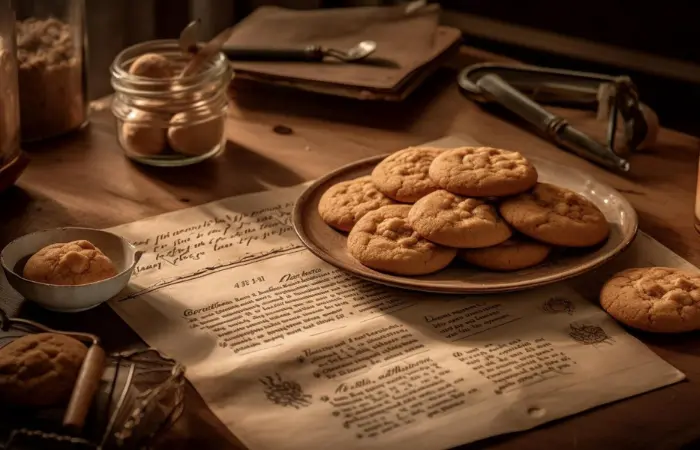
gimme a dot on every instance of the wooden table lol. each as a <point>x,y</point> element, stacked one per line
<point>85,180</point>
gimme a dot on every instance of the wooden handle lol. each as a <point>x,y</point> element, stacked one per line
<point>85,388</point>
<point>209,49</point>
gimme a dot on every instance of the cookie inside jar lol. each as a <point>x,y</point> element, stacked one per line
<point>166,117</point>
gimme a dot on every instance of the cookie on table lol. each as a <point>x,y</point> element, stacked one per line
<point>40,370</point>
<point>403,175</point>
<point>483,172</point>
<point>342,205</point>
<point>556,216</point>
<point>455,221</point>
<point>383,240</point>
<point>657,299</point>
<point>513,254</point>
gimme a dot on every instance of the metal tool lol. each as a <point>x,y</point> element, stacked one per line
<point>188,37</point>
<point>522,88</point>
<point>310,53</point>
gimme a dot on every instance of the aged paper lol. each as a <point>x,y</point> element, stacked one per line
<point>291,353</point>
<point>212,237</point>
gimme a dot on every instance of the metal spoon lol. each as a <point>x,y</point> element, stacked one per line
<point>310,53</point>
<point>357,53</point>
<point>188,37</point>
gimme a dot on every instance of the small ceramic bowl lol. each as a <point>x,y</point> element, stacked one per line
<point>69,298</point>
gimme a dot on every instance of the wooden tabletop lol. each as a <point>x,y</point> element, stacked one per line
<point>85,180</point>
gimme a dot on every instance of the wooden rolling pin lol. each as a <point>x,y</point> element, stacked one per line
<point>85,388</point>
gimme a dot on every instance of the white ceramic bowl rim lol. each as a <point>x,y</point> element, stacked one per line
<point>137,256</point>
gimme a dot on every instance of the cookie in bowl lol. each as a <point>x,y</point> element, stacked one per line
<point>69,269</point>
<point>71,263</point>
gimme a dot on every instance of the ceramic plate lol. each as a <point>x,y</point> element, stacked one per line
<point>460,278</point>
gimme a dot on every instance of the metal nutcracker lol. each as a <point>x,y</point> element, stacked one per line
<point>521,89</point>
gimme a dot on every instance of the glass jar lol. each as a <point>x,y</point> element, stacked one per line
<point>170,121</point>
<point>697,202</point>
<point>51,49</point>
<point>9,105</point>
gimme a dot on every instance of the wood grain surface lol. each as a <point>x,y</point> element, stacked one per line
<point>84,180</point>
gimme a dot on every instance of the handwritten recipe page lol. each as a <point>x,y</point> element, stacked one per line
<point>292,353</point>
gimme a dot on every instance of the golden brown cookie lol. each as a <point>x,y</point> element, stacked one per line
<point>152,65</point>
<point>188,135</point>
<point>384,241</point>
<point>455,221</point>
<point>39,370</point>
<point>342,205</point>
<point>139,134</point>
<point>483,172</point>
<point>403,175</point>
<point>513,254</point>
<point>72,263</point>
<point>659,299</point>
<point>557,216</point>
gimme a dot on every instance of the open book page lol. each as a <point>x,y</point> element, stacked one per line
<point>277,341</point>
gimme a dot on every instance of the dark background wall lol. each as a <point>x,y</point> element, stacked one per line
<point>667,29</point>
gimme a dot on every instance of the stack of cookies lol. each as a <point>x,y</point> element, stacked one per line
<point>422,207</point>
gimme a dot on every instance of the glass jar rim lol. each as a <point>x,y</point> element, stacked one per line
<point>218,65</point>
